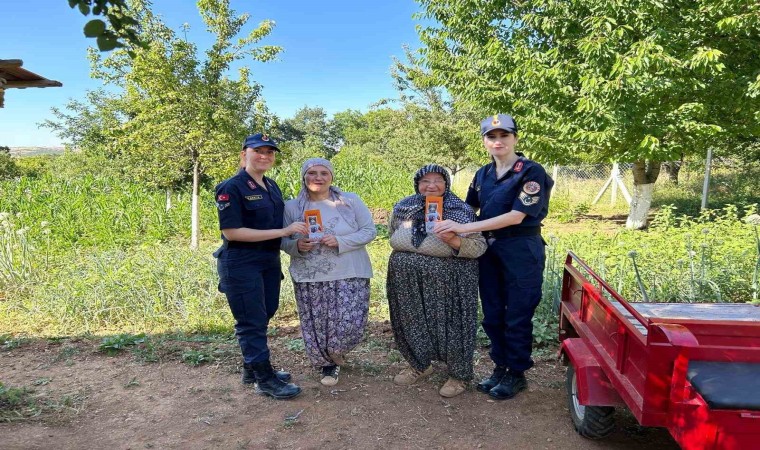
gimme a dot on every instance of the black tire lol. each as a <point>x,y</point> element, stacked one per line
<point>592,422</point>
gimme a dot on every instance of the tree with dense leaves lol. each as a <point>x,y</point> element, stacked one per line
<point>178,115</point>
<point>609,80</point>
<point>8,167</point>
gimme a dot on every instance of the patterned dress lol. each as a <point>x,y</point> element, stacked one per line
<point>433,300</point>
<point>332,285</point>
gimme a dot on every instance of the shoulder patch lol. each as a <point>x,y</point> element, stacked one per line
<point>528,200</point>
<point>223,197</point>
<point>222,206</point>
<point>531,188</point>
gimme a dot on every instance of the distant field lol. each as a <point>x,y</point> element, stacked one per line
<point>35,151</point>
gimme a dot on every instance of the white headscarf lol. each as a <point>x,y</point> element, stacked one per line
<point>342,203</point>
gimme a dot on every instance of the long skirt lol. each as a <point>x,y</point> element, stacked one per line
<point>433,304</point>
<point>333,316</point>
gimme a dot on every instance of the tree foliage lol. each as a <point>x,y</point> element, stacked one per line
<point>601,80</point>
<point>120,28</point>
<point>8,167</point>
<point>175,114</point>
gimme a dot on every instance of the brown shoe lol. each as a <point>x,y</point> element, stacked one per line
<point>410,375</point>
<point>452,388</point>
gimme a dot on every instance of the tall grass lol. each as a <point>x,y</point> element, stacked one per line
<point>102,255</point>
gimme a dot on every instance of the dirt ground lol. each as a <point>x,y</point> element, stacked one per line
<point>91,400</point>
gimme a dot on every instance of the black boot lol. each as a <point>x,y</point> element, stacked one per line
<point>250,378</point>
<point>509,386</point>
<point>491,382</point>
<point>267,382</point>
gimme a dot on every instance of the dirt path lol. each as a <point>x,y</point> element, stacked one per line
<point>91,400</point>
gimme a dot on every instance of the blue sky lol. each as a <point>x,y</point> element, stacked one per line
<point>337,55</point>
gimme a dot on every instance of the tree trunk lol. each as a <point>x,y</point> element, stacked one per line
<point>673,168</point>
<point>194,210</point>
<point>644,175</point>
<point>168,199</point>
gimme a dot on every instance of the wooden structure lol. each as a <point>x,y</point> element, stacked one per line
<point>13,76</point>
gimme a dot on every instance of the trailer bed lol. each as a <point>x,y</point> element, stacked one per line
<point>714,312</point>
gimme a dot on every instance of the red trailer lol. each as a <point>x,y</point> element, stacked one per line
<point>689,367</point>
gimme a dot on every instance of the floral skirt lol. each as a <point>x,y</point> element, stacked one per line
<point>333,316</point>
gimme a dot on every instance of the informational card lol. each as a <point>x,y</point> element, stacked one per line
<point>433,212</point>
<point>313,219</point>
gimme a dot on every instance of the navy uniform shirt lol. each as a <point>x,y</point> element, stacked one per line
<point>243,203</point>
<point>525,187</point>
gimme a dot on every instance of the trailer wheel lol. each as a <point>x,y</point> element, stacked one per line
<point>591,422</point>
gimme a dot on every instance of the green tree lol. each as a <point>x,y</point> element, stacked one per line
<point>8,167</point>
<point>179,116</point>
<point>610,80</point>
<point>309,133</point>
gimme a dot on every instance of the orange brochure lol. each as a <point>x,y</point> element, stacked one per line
<point>433,211</point>
<point>313,219</point>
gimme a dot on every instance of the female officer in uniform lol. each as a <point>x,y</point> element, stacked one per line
<point>512,194</point>
<point>250,216</point>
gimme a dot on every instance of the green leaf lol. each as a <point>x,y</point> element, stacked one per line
<point>94,28</point>
<point>107,43</point>
<point>73,3</point>
<point>84,8</point>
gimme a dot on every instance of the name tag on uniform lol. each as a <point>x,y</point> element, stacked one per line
<point>253,197</point>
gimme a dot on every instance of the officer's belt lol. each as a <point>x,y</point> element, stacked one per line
<point>261,245</point>
<point>512,232</point>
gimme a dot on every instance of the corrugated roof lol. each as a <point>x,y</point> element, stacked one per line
<point>13,76</point>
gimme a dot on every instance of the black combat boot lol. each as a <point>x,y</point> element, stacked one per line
<point>250,378</point>
<point>509,386</point>
<point>267,382</point>
<point>491,382</point>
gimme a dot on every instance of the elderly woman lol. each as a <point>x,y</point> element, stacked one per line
<point>432,284</point>
<point>330,275</point>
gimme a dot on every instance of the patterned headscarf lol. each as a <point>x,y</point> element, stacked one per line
<point>342,203</point>
<point>412,207</point>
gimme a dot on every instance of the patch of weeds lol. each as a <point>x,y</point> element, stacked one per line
<point>197,357</point>
<point>295,345</point>
<point>205,338</point>
<point>66,353</point>
<point>9,342</point>
<point>376,344</point>
<point>482,338</point>
<point>146,352</point>
<point>545,352</point>
<point>112,345</point>
<point>41,381</point>
<point>17,404</point>
<point>394,356</point>
<point>369,367</point>
<point>272,331</point>
<point>57,339</point>
<point>72,402</point>
<point>131,383</point>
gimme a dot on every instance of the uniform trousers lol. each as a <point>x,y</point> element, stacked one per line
<point>250,278</point>
<point>511,275</point>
